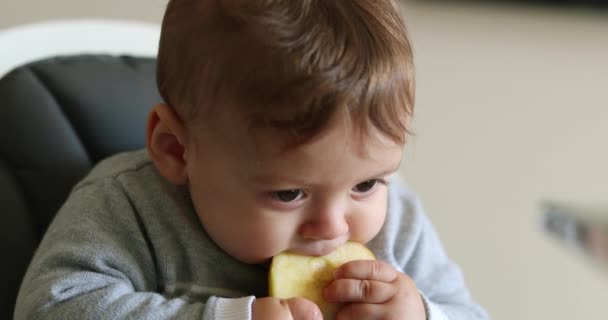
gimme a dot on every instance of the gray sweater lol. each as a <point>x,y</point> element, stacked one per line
<point>128,245</point>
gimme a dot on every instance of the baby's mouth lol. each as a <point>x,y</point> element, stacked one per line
<point>317,249</point>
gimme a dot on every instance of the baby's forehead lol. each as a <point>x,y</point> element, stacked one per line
<point>329,160</point>
<point>332,141</point>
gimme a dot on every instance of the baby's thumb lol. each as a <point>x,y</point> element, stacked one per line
<point>303,309</point>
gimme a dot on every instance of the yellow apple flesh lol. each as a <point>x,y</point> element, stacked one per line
<point>294,275</point>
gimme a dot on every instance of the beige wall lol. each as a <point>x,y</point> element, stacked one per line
<point>15,12</point>
<point>512,110</point>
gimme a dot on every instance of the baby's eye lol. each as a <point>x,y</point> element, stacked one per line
<point>367,186</point>
<point>288,195</point>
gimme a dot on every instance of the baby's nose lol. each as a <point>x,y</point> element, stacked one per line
<point>326,224</point>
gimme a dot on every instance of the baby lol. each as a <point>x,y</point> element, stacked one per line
<point>282,126</point>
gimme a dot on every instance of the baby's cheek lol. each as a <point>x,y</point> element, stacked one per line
<point>272,239</point>
<point>365,225</point>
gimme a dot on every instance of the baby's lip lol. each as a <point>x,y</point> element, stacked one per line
<point>317,249</point>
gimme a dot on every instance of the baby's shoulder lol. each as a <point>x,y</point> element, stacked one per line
<point>400,195</point>
<point>116,165</point>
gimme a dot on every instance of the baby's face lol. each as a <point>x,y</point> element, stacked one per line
<point>256,201</point>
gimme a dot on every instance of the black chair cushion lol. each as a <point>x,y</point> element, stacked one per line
<point>59,117</point>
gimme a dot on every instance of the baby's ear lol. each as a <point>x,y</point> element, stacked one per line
<point>165,140</point>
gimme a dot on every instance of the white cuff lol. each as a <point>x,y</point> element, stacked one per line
<point>234,309</point>
<point>433,312</point>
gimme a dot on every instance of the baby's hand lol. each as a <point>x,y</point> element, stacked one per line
<point>285,309</point>
<point>374,290</point>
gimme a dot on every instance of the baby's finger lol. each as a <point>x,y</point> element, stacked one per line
<point>367,270</point>
<point>362,311</point>
<point>354,290</point>
<point>301,309</point>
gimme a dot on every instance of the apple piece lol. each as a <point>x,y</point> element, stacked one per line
<point>294,275</point>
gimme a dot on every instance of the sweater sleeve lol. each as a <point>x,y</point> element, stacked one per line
<point>95,262</point>
<point>440,280</point>
<point>414,246</point>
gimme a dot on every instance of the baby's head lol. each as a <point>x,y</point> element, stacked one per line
<point>284,118</point>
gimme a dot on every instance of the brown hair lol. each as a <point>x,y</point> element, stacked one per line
<point>291,65</point>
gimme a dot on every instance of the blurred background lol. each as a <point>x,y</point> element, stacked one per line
<point>512,111</point>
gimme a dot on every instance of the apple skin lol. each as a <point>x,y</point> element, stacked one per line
<point>294,275</point>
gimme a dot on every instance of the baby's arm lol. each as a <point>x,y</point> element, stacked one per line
<point>95,263</point>
<point>440,281</point>
<point>412,244</point>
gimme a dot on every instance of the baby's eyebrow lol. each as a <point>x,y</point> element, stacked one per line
<point>270,180</point>
<point>389,171</point>
<point>274,180</point>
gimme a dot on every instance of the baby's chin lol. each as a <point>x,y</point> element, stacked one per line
<point>261,260</point>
